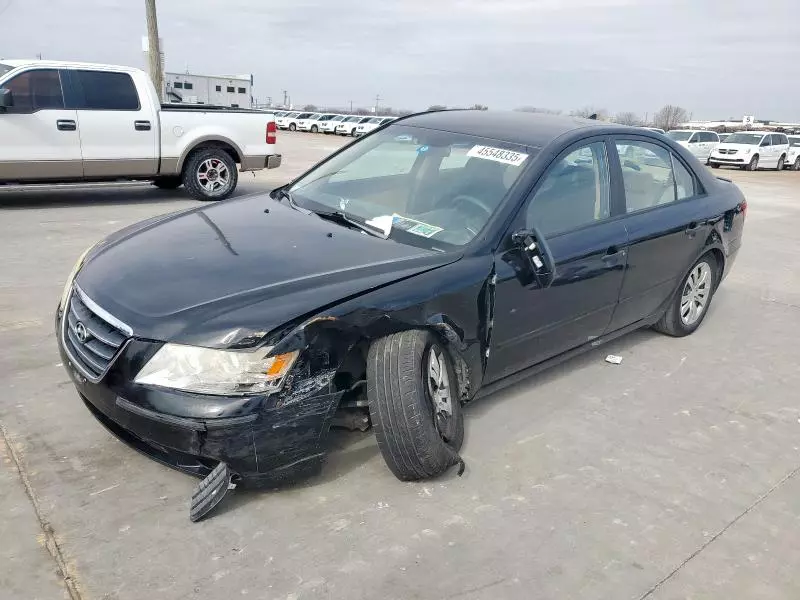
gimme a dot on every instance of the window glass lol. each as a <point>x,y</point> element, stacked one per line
<point>242,90</point>
<point>767,141</point>
<point>395,177</point>
<point>188,86</point>
<point>177,85</point>
<point>573,193</point>
<point>103,90</point>
<point>684,182</point>
<point>713,136</point>
<point>646,174</point>
<point>781,139</point>
<point>36,90</point>
<point>231,89</point>
<point>218,88</point>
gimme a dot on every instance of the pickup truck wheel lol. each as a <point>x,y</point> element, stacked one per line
<point>210,174</point>
<point>414,404</point>
<point>690,304</point>
<point>168,183</point>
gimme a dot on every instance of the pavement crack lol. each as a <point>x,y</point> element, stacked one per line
<point>713,538</point>
<point>51,543</point>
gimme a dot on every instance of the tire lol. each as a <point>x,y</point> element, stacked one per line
<point>168,183</point>
<point>672,323</point>
<point>210,161</point>
<point>415,442</point>
<point>714,165</point>
<point>292,127</point>
<point>753,164</point>
<point>781,162</point>
<point>796,165</point>
<point>314,129</point>
<point>353,132</point>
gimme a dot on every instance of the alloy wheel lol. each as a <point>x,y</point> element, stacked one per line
<point>696,293</point>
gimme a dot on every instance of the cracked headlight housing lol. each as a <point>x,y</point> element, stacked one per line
<point>216,372</point>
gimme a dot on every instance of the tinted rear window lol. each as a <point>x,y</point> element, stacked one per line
<point>107,91</point>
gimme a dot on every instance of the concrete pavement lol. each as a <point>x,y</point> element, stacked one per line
<point>672,475</point>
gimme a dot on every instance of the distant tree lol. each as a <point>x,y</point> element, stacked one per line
<point>479,107</point>
<point>627,118</point>
<point>536,109</point>
<point>437,107</point>
<point>670,117</point>
<point>310,107</point>
<point>588,111</point>
<point>405,111</point>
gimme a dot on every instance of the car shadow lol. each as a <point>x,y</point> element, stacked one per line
<point>91,195</point>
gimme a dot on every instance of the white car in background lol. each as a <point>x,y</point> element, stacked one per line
<point>350,125</point>
<point>793,156</point>
<point>329,126</point>
<point>305,124</point>
<point>372,124</point>
<point>293,119</point>
<point>283,121</point>
<point>699,143</point>
<point>314,125</point>
<point>751,150</point>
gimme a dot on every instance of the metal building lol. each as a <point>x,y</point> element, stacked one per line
<point>188,88</point>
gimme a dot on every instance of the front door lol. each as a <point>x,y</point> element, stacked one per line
<point>572,209</point>
<point>119,132</point>
<point>39,139</point>
<point>767,155</point>
<point>666,223</point>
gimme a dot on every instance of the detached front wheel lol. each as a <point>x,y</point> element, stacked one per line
<point>414,404</point>
<point>210,174</point>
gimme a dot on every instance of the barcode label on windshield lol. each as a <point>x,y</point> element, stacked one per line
<point>498,155</point>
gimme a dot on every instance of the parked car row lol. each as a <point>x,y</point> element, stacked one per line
<point>352,125</point>
<point>748,150</point>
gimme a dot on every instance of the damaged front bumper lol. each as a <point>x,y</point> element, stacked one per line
<point>264,440</point>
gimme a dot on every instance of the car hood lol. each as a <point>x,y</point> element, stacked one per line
<point>740,147</point>
<point>212,275</point>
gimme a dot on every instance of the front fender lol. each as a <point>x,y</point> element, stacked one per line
<point>451,301</point>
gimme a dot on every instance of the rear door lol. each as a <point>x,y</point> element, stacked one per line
<point>119,130</point>
<point>39,137</point>
<point>573,208</point>
<point>766,153</point>
<point>666,224</point>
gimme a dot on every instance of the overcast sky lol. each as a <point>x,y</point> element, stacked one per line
<point>715,58</point>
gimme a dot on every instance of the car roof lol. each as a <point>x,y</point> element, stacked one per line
<point>526,129</point>
<point>60,64</point>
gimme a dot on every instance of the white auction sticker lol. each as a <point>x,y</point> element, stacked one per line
<point>507,157</point>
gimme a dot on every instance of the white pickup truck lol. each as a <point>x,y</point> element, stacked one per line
<point>70,122</point>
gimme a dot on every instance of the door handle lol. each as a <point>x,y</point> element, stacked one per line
<point>141,125</point>
<point>613,256</point>
<point>694,227</point>
<point>66,125</point>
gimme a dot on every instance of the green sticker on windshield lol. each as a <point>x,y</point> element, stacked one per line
<point>413,226</point>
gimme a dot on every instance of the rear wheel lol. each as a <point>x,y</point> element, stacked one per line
<point>753,164</point>
<point>168,183</point>
<point>210,174</point>
<point>691,302</point>
<point>414,404</point>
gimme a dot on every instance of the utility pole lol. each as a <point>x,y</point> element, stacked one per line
<point>377,102</point>
<point>154,49</point>
<point>285,99</point>
<point>351,107</point>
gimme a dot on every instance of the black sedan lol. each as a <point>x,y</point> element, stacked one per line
<point>437,258</point>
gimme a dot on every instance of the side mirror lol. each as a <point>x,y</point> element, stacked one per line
<point>6,98</point>
<point>537,255</point>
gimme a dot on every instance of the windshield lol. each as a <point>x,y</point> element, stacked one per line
<point>337,118</point>
<point>5,69</point>
<point>794,141</point>
<point>680,136</point>
<point>427,188</point>
<point>751,139</point>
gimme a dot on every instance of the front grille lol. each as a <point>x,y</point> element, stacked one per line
<point>724,151</point>
<point>91,341</point>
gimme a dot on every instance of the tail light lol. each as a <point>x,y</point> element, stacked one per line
<point>272,132</point>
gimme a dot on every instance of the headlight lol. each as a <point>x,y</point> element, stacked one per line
<point>216,372</point>
<point>72,275</point>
